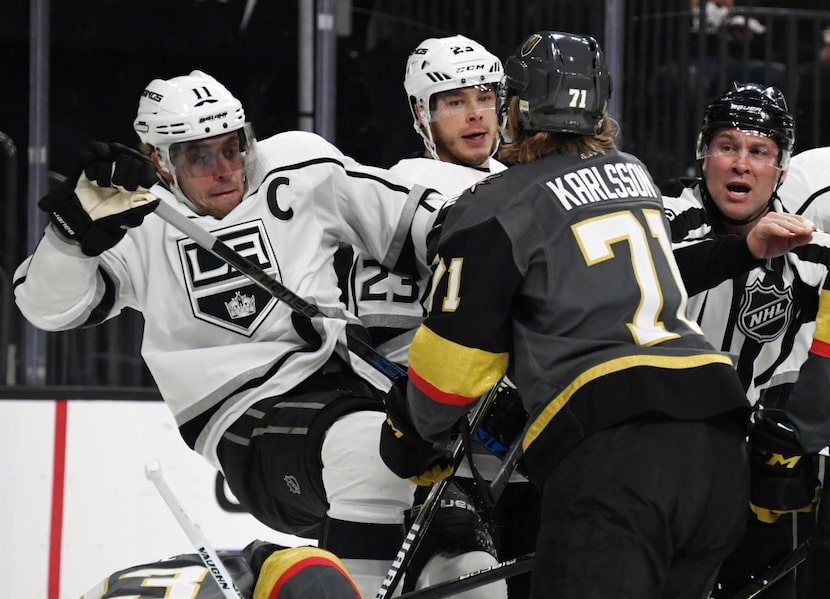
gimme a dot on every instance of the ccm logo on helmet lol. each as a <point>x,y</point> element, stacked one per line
<point>471,67</point>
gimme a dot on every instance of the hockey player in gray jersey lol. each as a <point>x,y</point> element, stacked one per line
<point>272,398</point>
<point>636,435</point>
<point>765,314</point>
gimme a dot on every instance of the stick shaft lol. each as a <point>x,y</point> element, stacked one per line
<point>774,573</point>
<point>506,569</point>
<point>205,550</point>
<point>431,504</point>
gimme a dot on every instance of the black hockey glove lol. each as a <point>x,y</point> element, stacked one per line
<point>505,421</point>
<point>404,451</point>
<point>783,478</point>
<point>108,194</point>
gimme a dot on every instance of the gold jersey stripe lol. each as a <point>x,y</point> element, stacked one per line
<point>822,332</point>
<point>453,368</point>
<point>600,370</point>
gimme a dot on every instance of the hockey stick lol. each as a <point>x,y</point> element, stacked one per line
<point>224,252</point>
<point>152,470</point>
<point>505,569</point>
<point>473,580</point>
<point>508,465</point>
<point>775,572</point>
<point>432,502</point>
<point>252,271</point>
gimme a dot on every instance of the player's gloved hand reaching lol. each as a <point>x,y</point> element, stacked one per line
<point>404,451</point>
<point>108,195</point>
<point>783,478</point>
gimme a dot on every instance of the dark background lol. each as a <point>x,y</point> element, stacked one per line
<point>103,52</point>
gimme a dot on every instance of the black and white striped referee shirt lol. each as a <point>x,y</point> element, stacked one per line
<point>764,316</point>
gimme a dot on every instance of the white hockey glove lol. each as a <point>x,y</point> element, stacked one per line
<point>108,195</point>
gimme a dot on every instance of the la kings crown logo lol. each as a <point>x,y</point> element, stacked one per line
<point>765,311</point>
<point>220,294</point>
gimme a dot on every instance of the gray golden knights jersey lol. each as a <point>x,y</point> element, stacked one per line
<point>560,272</point>
<point>764,318</point>
<point>215,342</point>
<point>390,304</point>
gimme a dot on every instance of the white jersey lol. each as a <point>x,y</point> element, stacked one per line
<point>806,190</point>
<point>214,341</point>
<point>389,304</point>
<point>765,317</point>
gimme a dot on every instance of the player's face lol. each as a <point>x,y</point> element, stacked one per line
<point>741,171</point>
<point>464,125</point>
<point>211,173</point>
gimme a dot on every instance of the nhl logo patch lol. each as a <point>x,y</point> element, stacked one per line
<point>219,293</point>
<point>765,311</point>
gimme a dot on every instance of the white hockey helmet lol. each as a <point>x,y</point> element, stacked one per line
<point>442,64</point>
<point>187,108</point>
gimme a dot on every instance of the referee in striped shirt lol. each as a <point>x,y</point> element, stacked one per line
<point>762,312</point>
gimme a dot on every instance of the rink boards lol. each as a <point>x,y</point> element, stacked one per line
<point>75,505</point>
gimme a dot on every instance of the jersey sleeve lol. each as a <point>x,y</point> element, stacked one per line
<point>707,263</point>
<point>181,576</point>
<point>807,407</point>
<point>385,215</point>
<point>371,208</point>
<point>59,288</point>
<point>304,572</point>
<point>462,349</point>
<point>705,260</point>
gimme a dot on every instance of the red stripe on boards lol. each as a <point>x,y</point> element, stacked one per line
<point>56,527</point>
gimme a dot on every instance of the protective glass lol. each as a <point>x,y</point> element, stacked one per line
<point>212,156</point>
<point>463,101</point>
<point>756,148</point>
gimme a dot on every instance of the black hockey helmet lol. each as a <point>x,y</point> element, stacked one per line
<point>562,84</point>
<point>750,107</point>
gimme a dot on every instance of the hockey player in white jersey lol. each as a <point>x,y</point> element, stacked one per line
<point>762,312</point>
<point>806,191</point>
<point>450,84</point>
<point>272,398</point>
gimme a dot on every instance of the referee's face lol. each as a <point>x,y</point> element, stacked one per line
<point>741,172</point>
